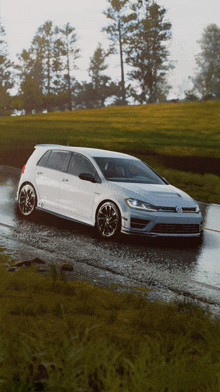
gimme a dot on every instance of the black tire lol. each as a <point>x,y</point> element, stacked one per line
<point>27,200</point>
<point>108,220</point>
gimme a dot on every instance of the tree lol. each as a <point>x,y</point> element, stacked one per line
<point>6,80</point>
<point>46,36</point>
<point>190,95</point>
<point>85,95</point>
<point>26,64</point>
<point>43,59</point>
<point>99,81</point>
<point>30,95</point>
<point>207,80</point>
<point>57,67</point>
<point>147,52</point>
<point>49,61</point>
<point>65,45</point>
<point>102,85</point>
<point>30,68</point>
<point>117,33</point>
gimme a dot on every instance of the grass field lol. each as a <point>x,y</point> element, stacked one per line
<point>180,140</point>
<point>73,336</point>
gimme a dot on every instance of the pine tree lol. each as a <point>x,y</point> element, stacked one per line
<point>66,46</point>
<point>30,95</point>
<point>207,79</point>
<point>6,80</point>
<point>116,32</point>
<point>102,85</point>
<point>147,52</point>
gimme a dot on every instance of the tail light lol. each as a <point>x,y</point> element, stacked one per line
<point>23,170</point>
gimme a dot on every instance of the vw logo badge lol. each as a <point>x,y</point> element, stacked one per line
<point>179,210</point>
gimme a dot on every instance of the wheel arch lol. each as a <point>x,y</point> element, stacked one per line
<point>119,211</point>
<point>105,201</point>
<point>27,183</point>
<point>30,204</point>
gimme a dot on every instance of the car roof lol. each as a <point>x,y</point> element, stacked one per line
<point>92,152</point>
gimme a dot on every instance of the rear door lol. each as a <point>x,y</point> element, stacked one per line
<point>49,171</point>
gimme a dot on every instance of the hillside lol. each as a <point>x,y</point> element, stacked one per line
<point>170,136</point>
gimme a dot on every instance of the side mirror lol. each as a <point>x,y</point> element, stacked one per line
<point>87,177</point>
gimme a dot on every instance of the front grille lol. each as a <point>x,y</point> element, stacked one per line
<point>166,209</point>
<point>164,228</point>
<point>192,209</point>
<point>173,209</point>
<point>137,223</point>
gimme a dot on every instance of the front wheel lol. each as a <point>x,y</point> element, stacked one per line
<point>108,220</point>
<point>27,200</point>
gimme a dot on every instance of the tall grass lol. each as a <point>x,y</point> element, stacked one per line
<point>57,335</point>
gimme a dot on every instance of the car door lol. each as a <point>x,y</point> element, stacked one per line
<point>48,176</point>
<point>76,196</point>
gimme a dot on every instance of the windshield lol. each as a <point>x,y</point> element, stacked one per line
<point>127,170</point>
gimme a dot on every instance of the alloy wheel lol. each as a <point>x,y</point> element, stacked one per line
<point>108,220</point>
<point>27,199</point>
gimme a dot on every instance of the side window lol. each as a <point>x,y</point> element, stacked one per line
<point>79,164</point>
<point>43,161</point>
<point>57,160</point>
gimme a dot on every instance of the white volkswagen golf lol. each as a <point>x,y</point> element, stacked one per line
<point>112,191</point>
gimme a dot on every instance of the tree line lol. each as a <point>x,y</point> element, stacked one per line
<point>139,34</point>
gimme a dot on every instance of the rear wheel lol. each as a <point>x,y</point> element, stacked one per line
<point>27,200</point>
<point>108,220</point>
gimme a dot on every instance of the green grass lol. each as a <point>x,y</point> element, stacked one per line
<point>188,128</point>
<point>170,128</point>
<point>174,138</point>
<point>74,336</point>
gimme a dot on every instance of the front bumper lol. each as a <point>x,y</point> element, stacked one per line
<point>162,224</point>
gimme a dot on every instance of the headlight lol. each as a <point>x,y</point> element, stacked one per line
<point>197,209</point>
<point>140,205</point>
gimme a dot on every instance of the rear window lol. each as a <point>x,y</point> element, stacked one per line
<point>54,159</point>
<point>43,161</point>
<point>57,159</point>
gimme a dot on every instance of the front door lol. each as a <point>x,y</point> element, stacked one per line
<point>76,196</point>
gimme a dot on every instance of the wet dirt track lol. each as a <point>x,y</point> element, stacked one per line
<point>172,267</point>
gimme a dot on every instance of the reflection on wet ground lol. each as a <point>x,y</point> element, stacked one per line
<point>196,260</point>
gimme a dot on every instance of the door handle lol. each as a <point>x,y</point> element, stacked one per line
<point>65,179</point>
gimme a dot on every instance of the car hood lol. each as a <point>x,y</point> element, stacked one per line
<point>158,195</point>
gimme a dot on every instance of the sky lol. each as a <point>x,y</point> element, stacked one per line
<point>22,18</point>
